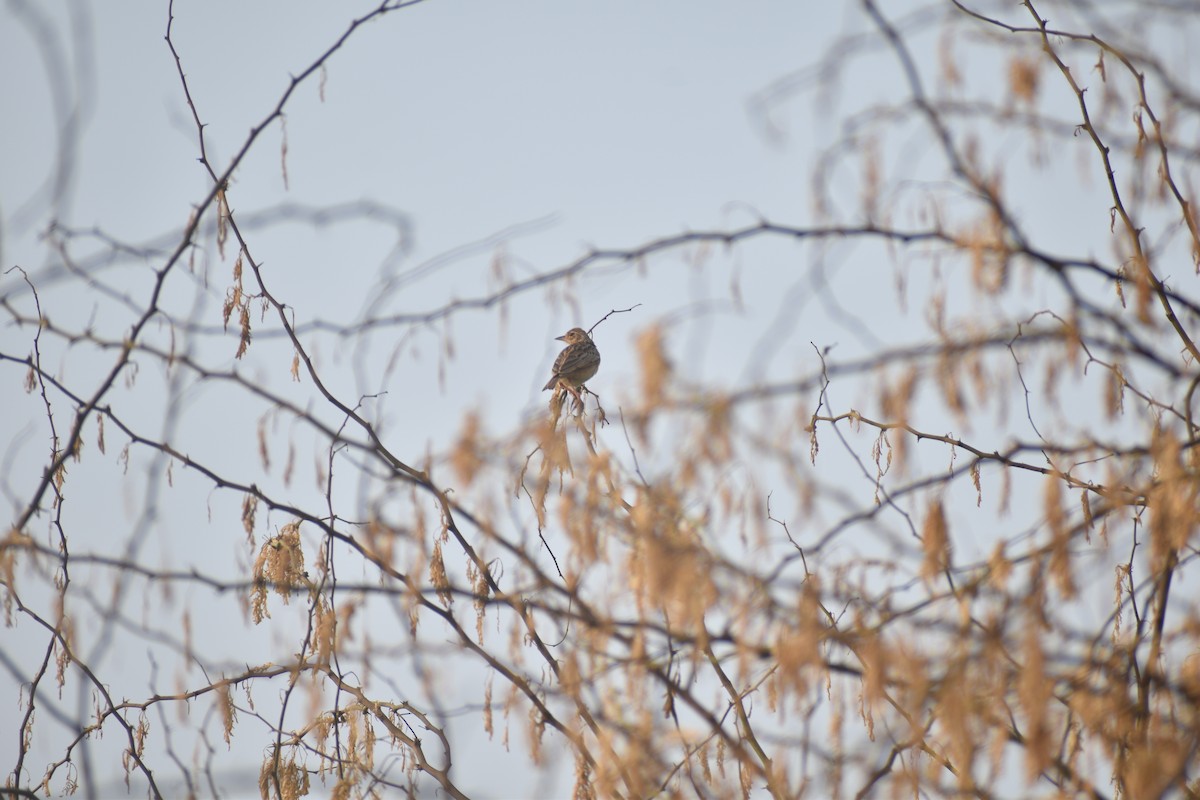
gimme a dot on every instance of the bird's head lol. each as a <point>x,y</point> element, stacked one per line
<point>573,336</point>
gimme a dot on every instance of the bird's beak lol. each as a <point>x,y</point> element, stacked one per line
<point>562,338</point>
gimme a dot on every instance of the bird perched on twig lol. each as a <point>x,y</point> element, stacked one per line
<point>578,361</point>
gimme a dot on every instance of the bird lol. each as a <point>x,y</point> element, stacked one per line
<point>577,362</point>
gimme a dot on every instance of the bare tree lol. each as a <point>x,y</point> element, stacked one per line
<point>939,546</point>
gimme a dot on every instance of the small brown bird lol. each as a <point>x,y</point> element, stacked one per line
<point>578,361</point>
